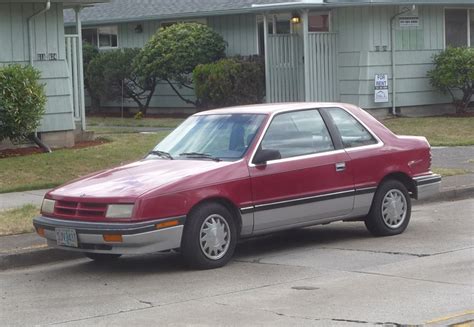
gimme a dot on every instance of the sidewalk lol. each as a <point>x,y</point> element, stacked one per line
<point>19,199</point>
<point>30,249</point>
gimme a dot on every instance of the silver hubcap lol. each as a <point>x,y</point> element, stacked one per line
<point>394,208</point>
<point>214,237</point>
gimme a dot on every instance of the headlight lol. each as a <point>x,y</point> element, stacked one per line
<point>48,206</point>
<point>119,211</point>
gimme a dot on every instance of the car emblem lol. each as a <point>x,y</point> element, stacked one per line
<point>82,195</point>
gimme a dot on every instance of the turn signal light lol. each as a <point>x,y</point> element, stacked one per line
<point>117,238</point>
<point>40,231</point>
<point>165,224</point>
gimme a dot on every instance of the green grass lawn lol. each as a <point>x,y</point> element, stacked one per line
<point>132,122</point>
<point>17,221</point>
<point>440,131</point>
<point>51,169</point>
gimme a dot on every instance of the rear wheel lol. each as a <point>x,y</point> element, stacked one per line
<point>209,237</point>
<point>102,257</point>
<point>390,211</point>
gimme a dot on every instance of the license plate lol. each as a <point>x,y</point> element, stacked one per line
<point>66,237</point>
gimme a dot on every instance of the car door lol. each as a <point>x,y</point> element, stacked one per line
<point>312,180</point>
<point>368,159</point>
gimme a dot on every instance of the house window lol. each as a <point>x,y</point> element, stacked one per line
<point>102,37</point>
<point>318,22</point>
<point>459,27</point>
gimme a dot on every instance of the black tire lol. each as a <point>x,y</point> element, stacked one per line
<point>398,209</point>
<point>102,257</point>
<point>197,253</point>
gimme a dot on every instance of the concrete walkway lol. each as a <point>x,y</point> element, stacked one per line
<point>19,199</point>
<point>457,157</point>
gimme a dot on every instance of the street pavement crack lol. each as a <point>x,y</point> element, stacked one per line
<point>407,278</point>
<point>281,314</point>
<point>419,255</point>
<point>151,305</point>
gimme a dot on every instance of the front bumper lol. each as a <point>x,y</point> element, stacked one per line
<point>427,186</point>
<point>137,238</point>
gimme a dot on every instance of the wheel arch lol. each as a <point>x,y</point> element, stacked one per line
<point>404,178</point>
<point>228,204</point>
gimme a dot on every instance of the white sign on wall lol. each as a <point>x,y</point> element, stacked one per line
<point>381,88</point>
<point>409,21</point>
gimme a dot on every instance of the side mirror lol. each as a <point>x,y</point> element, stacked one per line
<point>262,156</point>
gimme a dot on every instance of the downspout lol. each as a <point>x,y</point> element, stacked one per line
<point>28,23</point>
<point>35,137</point>
<point>392,50</point>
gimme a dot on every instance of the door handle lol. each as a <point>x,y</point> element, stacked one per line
<point>340,166</point>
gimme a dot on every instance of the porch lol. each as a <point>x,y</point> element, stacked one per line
<point>300,65</point>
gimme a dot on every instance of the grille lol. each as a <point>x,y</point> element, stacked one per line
<point>80,209</point>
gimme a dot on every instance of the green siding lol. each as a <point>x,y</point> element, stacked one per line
<point>48,37</point>
<point>362,29</point>
<point>240,32</point>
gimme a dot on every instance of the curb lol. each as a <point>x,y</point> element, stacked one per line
<point>450,195</point>
<point>52,255</point>
<point>36,257</point>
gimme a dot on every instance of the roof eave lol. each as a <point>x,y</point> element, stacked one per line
<point>256,9</point>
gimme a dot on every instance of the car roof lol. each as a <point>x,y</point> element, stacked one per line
<point>270,108</point>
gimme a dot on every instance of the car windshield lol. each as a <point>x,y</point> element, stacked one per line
<point>210,137</point>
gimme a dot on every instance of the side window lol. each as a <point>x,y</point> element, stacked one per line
<point>297,133</point>
<point>352,132</point>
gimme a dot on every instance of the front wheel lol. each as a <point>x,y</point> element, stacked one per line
<point>390,211</point>
<point>209,237</point>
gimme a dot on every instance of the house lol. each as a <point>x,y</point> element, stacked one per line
<point>372,53</point>
<point>32,32</point>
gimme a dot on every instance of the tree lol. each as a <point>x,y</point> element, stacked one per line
<point>174,51</point>
<point>111,74</point>
<point>22,102</point>
<point>453,72</point>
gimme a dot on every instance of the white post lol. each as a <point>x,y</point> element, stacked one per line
<point>306,55</point>
<point>80,68</point>
<point>267,67</point>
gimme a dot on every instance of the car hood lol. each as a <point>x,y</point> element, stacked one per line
<point>132,180</point>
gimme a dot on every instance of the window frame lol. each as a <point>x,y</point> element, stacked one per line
<point>468,17</point>
<point>96,28</point>
<point>323,12</point>
<point>378,141</point>
<point>331,137</point>
<point>333,132</point>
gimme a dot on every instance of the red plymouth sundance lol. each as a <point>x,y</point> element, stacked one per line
<point>237,172</point>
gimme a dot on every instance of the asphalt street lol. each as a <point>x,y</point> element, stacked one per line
<point>336,275</point>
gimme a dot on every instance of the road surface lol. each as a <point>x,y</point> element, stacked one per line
<point>327,275</point>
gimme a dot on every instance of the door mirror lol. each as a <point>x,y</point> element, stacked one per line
<point>262,156</point>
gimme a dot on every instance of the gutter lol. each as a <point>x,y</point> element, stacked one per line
<point>35,137</point>
<point>392,50</point>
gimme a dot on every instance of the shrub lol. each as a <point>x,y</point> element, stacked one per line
<point>453,72</point>
<point>22,102</point>
<point>89,52</point>
<point>174,51</point>
<point>228,82</point>
<point>110,71</point>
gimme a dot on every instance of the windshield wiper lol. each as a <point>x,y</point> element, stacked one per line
<point>162,154</point>
<point>199,155</point>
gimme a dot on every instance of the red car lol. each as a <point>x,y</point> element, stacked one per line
<point>237,172</point>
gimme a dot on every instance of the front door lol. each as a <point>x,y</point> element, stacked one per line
<point>312,180</point>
